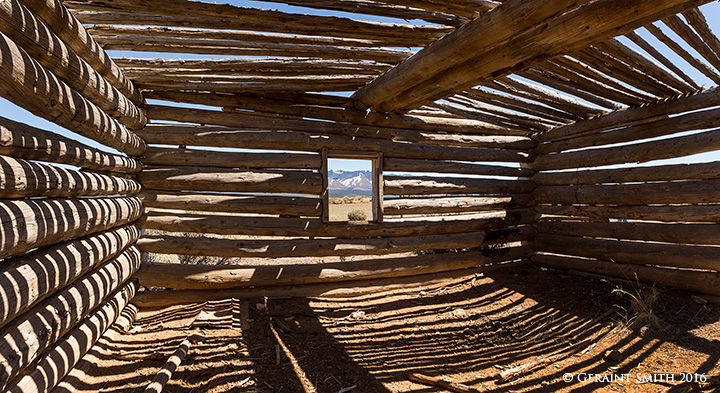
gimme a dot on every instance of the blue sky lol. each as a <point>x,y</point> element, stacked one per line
<point>9,110</point>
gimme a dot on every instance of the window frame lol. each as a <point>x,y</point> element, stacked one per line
<point>377,180</point>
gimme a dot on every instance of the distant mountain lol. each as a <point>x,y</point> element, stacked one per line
<point>349,180</point>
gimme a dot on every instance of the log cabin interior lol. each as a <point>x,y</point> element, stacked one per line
<point>542,173</point>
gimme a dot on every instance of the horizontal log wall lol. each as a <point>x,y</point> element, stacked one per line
<point>244,202</point>
<point>653,223</point>
<point>68,210</point>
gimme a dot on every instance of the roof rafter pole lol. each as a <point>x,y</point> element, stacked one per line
<point>570,31</point>
<point>462,44</point>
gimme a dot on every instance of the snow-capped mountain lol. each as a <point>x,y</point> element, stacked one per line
<point>349,180</point>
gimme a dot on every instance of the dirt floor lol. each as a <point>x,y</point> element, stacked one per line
<point>466,330</point>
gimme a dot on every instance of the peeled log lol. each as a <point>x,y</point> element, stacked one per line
<point>455,205</point>
<point>667,213</point>
<point>63,356</point>
<point>689,280</point>
<point>23,141</point>
<point>223,277</point>
<point>671,233</point>
<point>31,223</point>
<point>27,279</point>
<point>225,159</point>
<point>272,248</point>
<point>22,178</point>
<point>27,336</point>
<point>233,203</point>
<point>429,185</point>
<point>224,179</point>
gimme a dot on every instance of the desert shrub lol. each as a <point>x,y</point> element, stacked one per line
<point>357,215</point>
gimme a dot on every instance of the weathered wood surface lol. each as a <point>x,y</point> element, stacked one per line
<point>639,152</point>
<point>252,84</point>
<point>224,159</point>
<point>710,170</point>
<point>246,119</point>
<point>431,185</point>
<point>652,51</point>
<point>343,289</point>
<point>688,192</point>
<point>438,166</point>
<point>455,205</point>
<point>242,66</point>
<point>42,272</point>
<point>557,82</point>
<point>245,18</point>
<point>696,42</point>
<point>691,280</point>
<point>166,371</point>
<point>488,56</point>
<point>224,277</point>
<point>62,357</point>
<point>272,248</point>
<point>233,203</point>
<point>22,178</point>
<point>48,49</point>
<point>665,213</point>
<point>339,112</point>
<point>684,54</point>
<point>703,99</point>
<point>281,226</point>
<point>23,141</point>
<point>670,233</point>
<point>457,47</point>
<point>228,179</point>
<point>26,337</point>
<point>30,85</point>
<point>686,122</point>
<point>315,142</point>
<point>73,33</point>
<point>31,223</point>
<point>625,251</point>
<point>184,41</point>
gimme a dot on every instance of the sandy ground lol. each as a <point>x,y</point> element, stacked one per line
<point>467,330</point>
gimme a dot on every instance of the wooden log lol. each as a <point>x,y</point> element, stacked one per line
<point>166,371</point>
<point>517,104</point>
<point>697,20</point>
<point>224,159</point>
<point>454,205</point>
<point>687,192</point>
<point>338,113</point>
<point>665,213</point>
<point>430,185</point>
<point>685,55</point>
<point>687,122</point>
<point>67,351</point>
<point>105,31</point>
<point>457,47</point>
<point>689,280</point>
<point>31,223</point>
<point>26,337</point>
<point>245,18</point>
<point>670,233</point>
<point>566,32</point>
<point>640,253</point>
<point>28,84</point>
<point>693,39</point>
<point>704,99</point>
<point>267,67</point>
<point>228,179</point>
<point>269,248</point>
<point>557,82</point>
<point>182,42</point>
<point>22,178</point>
<point>343,289</point>
<point>709,170</point>
<point>442,382</point>
<point>437,166</point>
<point>27,279</point>
<point>650,49</point>
<point>640,152</point>
<point>491,114</point>
<point>271,226</point>
<point>225,277</point>
<point>253,84</point>
<point>250,120</point>
<point>233,203</point>
<point>73,33</point>
<point>48,49</point>
<point>315,142</point>
<point>23,141</point>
